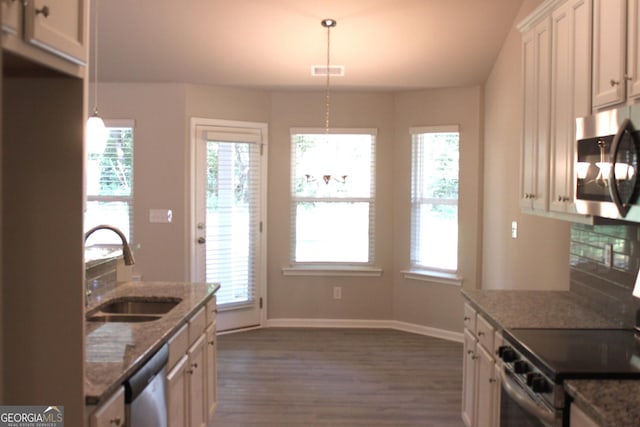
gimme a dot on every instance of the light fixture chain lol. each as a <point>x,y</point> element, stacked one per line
<point>327,92</point>
<point>95,61</point>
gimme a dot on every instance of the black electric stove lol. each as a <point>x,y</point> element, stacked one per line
<point>580,353</point>
<point>535,362</point>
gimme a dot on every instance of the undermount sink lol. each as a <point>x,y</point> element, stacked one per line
<point>139,306</point>
<point>132,309</point>
<point>127,318</point>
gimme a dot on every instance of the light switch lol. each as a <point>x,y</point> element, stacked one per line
<point>160,215</point>
<point>514,229</point>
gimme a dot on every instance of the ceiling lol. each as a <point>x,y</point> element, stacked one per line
<point>383,44</point>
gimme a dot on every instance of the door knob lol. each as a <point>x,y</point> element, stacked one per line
<point>202,240</point>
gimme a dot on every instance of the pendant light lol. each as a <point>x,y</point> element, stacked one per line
<point>328,24</point>
<point>96,132</point>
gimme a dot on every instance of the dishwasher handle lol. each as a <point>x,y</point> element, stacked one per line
<point>137,382</point>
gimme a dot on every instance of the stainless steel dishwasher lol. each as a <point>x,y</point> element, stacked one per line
<point>145,393</point>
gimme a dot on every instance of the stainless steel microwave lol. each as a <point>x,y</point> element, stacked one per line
<point>606,166</point>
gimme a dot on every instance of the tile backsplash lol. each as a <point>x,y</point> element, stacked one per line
<point>606,286</point>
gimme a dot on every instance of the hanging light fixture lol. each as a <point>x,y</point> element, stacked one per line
<point>328,24</point>
<point>96,132</point>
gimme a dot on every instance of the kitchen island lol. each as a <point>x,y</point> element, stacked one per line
<point>606,402</point>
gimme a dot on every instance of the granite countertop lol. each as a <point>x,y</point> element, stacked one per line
<point>115,350</point>
<point>611,403</point>
<point>536,309</point>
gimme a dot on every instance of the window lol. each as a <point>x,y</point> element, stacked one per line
<point>434,198</point>
<point>332,196</point>
<point>110,185</point>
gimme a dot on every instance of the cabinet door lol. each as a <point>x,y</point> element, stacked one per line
<point>561,130</point>
<point>469,379</point>
<point>111,413</point>
<point>211,372</point>
<point>11,12</point>
<point>59,27</point>
<point>609,52</point>
<point>633,44</point>
<point>581,31</point>
<point>486,389</point>
<point>197,386</point>
<point>177,394</point>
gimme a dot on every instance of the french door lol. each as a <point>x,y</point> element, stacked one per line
<point>229,193</point>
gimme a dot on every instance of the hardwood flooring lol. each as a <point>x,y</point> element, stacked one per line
<point>337,377</point>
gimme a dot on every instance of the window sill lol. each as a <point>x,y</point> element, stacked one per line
<point>332,271</point>
<point>451,279</point>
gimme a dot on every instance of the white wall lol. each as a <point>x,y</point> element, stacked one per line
<point>539,257</point>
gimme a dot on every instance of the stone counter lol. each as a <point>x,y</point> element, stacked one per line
<point>535,309</point>
<point>610,403</point>
<point>115,350</point>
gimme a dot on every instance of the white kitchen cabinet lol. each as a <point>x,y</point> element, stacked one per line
<point>556,67</point>
<point>469,375</point>
<point>633,47</point>
<point>177,394</point>
<point>571,79</point>
<point>536,74</point>
<point>11,14</point>
<point>480,380</point>
<point>211,371</point>
<point>578,418</point>
<point>53,33</point>
<point>111,413</point>
<point>191,381</point>
<point>486,390</point>
<point>196,383</point>
<point>609,52</point>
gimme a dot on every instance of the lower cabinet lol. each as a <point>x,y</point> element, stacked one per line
<point>191,381</point>
<point>480,378</point>
<point>111,413</point>
<point>578,418</point>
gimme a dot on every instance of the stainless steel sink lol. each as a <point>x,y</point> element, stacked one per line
<point>139,306</point>
<point>127,318</point>
<point>132,309</point>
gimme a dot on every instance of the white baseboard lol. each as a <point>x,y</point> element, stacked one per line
<point>364,324</point>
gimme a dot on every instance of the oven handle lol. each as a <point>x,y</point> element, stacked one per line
<point>520,396</point>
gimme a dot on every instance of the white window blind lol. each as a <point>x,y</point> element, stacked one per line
<point>233,213</point>
<point>332,196</point>
<point>110,185</point>
<point>434,198</point>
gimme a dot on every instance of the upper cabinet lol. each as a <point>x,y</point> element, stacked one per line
<point>11,14</point>
<point>556,67</point>
<point>536,77</point>
<point>616,60</point>
<point>609,52</point>
<point>51,32</point>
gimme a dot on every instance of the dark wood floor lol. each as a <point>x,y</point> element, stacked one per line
<point>337,377</point>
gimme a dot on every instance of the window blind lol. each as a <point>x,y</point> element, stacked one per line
<point>333,196</point>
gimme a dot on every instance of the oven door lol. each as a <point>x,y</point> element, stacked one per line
<point>519,409</point>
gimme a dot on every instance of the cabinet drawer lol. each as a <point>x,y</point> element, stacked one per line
<point>178,345</point>
<point>211,310</point>
<point>470,318</point>
<point>484,332</point>
<point>196,325</point>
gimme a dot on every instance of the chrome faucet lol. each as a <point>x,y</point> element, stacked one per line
<point>127,253</point>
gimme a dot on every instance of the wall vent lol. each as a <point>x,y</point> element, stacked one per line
<point>333,70</point>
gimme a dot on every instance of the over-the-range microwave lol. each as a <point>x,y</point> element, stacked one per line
<point>606,168</point>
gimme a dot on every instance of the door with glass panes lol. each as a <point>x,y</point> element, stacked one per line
<point>228,225</point>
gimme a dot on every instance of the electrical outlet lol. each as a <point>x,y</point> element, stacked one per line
<point>337,292</point>
<point>608,255</point>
